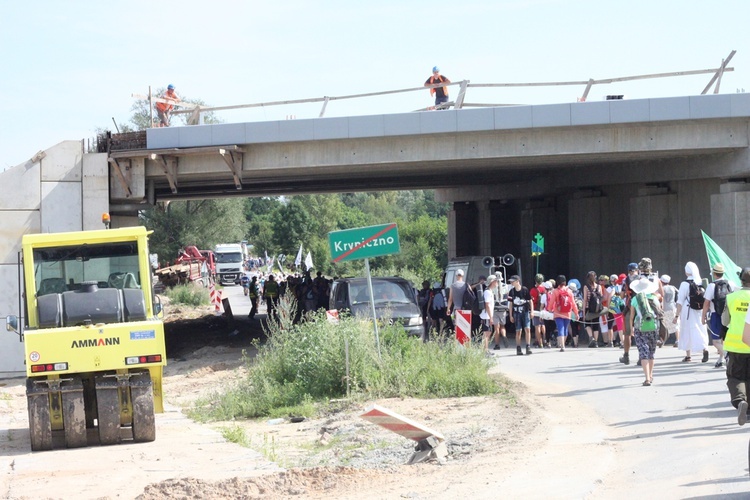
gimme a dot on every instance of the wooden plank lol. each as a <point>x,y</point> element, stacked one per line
<point>182,104</point>
<point>120,176</point>
<point>320,99</point>
<point>168,168</point>
<point>146,153</point>
<point>234,162</point>
<point>720,71</point>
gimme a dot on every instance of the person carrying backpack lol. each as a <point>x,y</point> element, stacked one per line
<point>520,312</point>
<point>563,306</point>
<point>592,308</point>
<point>436,308</point>
<point>477,302</point>
<point>690,297</point>
<point>644,321</point>
<point>713,307</point>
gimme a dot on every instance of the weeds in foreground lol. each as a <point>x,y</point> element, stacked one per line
<point>190,294</point>
<point>302,365</point>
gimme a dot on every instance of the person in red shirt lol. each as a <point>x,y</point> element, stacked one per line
<point>537,293</point>
<point>163,109</point>
<point>563,306</point>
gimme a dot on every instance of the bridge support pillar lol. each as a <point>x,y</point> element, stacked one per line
<point>655,230</point>
<point>451,234</point>
<point>730,227</point>
<point>484,219</point>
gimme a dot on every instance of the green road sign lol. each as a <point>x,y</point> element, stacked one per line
<point>364,242</point>
<point>539,242</point>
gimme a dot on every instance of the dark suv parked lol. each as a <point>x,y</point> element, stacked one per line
<point>393,295</point>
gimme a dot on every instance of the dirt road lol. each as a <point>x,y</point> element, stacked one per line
<point>576,428</point>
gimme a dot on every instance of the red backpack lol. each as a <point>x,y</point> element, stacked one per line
<point>564,301</point>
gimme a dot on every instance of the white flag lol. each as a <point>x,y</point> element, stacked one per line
<point>308,261</point>
<point>298,260</point>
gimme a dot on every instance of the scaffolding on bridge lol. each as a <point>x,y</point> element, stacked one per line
<point>195,112</point>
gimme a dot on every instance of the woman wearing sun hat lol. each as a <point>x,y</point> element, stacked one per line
<point>644,314</point>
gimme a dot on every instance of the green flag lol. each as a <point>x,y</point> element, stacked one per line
<point>716,254</point>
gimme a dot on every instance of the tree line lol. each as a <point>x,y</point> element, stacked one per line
<point>279,225</point>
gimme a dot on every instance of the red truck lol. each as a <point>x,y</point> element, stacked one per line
<point>191,266</point>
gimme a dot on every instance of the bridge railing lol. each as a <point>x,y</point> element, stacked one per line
<point>197,112</point>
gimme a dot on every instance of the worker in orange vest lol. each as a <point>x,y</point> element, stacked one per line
<point>164,109</point>
<point>440,93</point>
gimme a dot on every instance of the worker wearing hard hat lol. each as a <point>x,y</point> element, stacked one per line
<point>163,109</point>
<point>440,93</point>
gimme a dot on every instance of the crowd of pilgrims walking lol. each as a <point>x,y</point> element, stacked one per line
<point>637,308</point>
<point>311,294</point>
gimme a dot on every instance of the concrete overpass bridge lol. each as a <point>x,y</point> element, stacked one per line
<point>605,182</point>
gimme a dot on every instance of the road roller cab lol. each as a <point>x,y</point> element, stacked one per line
<point>94,346</point>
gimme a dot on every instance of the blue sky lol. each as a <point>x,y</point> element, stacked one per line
<point>70,67</point>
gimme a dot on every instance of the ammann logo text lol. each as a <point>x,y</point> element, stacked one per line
<point>95,342</point>
<point>342,247</point>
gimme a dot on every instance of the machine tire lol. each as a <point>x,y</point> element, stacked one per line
<point>74,413</point>
<point>142,396</point>
<point>108,410</point>
<point>40,426</point>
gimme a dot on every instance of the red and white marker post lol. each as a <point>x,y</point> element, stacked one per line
<point>463,326</point>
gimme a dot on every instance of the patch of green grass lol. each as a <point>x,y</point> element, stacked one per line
<point>191,295</point>
<point>235,434</point>
<point>302,366</point>
<point>505,388</point>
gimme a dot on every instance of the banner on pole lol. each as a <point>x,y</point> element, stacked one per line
<point>717,255</point>
<point>298,260</point>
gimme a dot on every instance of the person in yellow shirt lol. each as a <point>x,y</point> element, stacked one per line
<point>736,317</point>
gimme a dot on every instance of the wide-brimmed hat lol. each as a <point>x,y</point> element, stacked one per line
<point>644,285</point>
<point>491,279</point>
<point>573,286</point>
<point>718,268</point>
